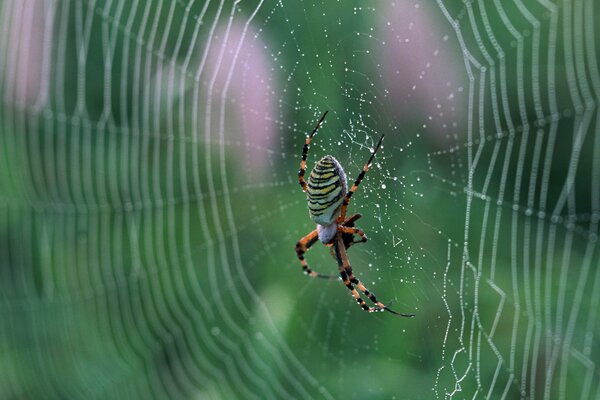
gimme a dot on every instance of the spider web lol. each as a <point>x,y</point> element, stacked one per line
<point>149,203</point>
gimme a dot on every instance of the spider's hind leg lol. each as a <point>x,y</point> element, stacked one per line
<point>302,247</point>
<point>350,281</point>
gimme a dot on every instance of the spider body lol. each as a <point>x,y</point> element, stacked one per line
<point>325,192</point>
<point>328,198</point>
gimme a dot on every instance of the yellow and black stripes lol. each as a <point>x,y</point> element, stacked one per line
<point>326,190</point>
<point>302,170</point>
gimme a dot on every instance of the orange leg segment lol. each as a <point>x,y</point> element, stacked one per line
<point>302,247</point>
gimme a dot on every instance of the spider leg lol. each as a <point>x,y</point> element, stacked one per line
<point>353,231</point>
<point>349,243</point>
<point>350,220</point>
<point>343,265</point>
<point>302,247</point>
<point>302,170</point>
<point>357,182</point>
<point>350,280</point>
<point>349,237</point>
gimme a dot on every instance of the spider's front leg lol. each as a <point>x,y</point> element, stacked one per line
<point>302,247</point>
<point>359,179</point>
<point>302,169</point>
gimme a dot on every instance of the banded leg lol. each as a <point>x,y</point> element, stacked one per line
<point>342,260</point>
<point>350,280</point>
<point>302,170</point>
<point>350,220</point>
<point>302,247</point>
<point>349,237</point>
<point>352,232</point>
<point>357,182</point>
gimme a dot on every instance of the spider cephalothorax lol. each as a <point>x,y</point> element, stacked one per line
<point>328,198</point>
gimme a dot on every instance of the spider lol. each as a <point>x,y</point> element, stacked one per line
<point>328,200</point>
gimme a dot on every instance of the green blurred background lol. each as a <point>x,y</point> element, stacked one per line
<point>149,204</point>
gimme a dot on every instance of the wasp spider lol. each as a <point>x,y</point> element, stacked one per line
<point>328,198</point>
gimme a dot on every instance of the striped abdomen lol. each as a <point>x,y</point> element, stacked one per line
<point>326,190</point>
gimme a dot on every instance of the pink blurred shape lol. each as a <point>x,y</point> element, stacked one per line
<point>421,69</point>
<point>26,37</point>
<point>251,92</point>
